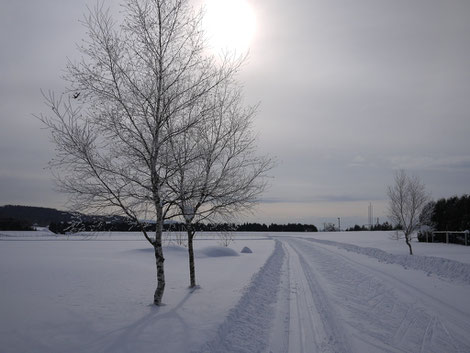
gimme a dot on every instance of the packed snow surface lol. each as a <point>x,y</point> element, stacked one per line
<point>297,292</point>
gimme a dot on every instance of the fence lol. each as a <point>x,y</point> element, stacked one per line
<point>448,237</point>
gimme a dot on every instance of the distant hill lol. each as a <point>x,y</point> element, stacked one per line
<point>14,217</point>
<point>41,216</point>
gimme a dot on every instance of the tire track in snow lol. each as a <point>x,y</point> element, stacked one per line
<point>246,328</point>
<point>373,316</point>
<point>314,325</point>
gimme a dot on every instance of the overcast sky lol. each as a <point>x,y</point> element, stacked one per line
<point>350,92</point>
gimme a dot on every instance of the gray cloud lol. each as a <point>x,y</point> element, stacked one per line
<point>438,163</point>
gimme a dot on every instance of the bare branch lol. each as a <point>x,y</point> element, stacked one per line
<point>407,198</point>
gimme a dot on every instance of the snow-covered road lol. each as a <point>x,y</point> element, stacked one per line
<point>341,301</point>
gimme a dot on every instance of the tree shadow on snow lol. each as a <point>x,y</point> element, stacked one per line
<point>143,335</point>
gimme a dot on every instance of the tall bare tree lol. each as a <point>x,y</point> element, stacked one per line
<point>407,199</point>
<point>140,84</point>
<point>219,172</point>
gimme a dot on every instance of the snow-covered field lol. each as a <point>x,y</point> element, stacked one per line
<point>297,292</point>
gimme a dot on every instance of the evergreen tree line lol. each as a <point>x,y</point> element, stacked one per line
<point>273,227</point>
<point>452,214</point>
<point>447,214</point>
<point>101,226</point>
<point>375,227</point>
<point>14,224</point>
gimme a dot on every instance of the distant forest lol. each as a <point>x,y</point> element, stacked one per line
<point>40,216</point>
<point>96,226</point>
<point>383,226</point>
<point>13,217</point>
<point>28,217</point>
<point>451,214</point>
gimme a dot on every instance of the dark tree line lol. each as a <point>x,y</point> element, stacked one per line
<point>383,226</point>
<point>14,224</point>
<point>41,216</point>
<point>100,225</point>
<point>290,227</point>
<point>94,226</point>
<point>452,214</point>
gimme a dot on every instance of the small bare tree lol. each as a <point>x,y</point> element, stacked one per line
<point>407,198</point>
<point>219,172</point>
<point>140,85</point>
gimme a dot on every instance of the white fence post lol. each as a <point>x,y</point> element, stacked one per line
<point>466,237</point>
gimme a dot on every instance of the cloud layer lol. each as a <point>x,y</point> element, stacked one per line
<point>349,92</point>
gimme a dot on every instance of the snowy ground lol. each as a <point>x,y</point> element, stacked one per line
<point>316,292</point>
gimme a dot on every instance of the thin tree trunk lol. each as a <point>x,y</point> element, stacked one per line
<point>407,240</point>
<point>192,271</point>
<point>157,297</point>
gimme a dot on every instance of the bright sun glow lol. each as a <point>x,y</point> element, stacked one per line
<point>230,24</point>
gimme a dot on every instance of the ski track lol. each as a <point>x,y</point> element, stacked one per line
<point>311,298</point>
<point>314,324</point>
<point>356,309</point>
<point>247,326</point>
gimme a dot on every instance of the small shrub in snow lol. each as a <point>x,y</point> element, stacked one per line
<point>396,235</point>
<point>225,238</point>
<point>246,250</point>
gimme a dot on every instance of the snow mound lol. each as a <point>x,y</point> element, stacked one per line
<point>174,248</point>
<point>246,250</point>
<point>444,268</point>
<point>217,251</point>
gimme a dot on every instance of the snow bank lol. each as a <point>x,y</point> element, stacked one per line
<point>386,241</point>
<point>445,268</point>
<point>246,328</point>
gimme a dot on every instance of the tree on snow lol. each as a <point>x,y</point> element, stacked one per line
<point>219,173</point>
<point>141,85</point>
<point>407,199</point>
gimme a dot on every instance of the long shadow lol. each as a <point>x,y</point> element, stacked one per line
<point>130,337</point>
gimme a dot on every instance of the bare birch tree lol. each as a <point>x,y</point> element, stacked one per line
<point>139,85</point>
<point>219,172</point>
<point>407,198</point>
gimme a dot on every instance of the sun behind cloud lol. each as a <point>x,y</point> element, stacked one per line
<point>230,25</point>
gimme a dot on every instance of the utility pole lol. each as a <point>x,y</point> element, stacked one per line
<point>371,216</point>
